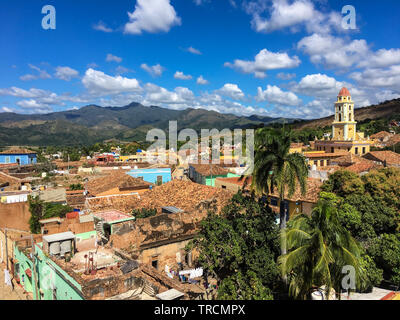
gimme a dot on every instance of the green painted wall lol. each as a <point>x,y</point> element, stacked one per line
<point>53,282</point>
<point>210,180</point>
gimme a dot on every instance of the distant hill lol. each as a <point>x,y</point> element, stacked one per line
<point>385,109</point>
<point>93,123</point>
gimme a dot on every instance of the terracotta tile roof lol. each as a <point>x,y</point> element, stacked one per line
<point>344,92</point>
<point>313,189</point>
<point>209,169</point>
<point>362,167</point>
<point>185,195</point>
<point>115,179</point>
<point>393,140</point>
<point>348,159</point>
<point>17,151</point>
<point>325,154</point>
<point>237,181</point>
<point>389,156</point>
<point>380,135</point>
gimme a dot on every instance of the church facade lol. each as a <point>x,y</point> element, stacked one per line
<point>344,130</point>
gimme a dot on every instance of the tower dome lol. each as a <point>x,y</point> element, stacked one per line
<point>344,92</point>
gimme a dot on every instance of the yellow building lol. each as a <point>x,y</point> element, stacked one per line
<point>344,129</point>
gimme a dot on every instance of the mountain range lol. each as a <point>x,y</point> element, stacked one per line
<point>92,123</point>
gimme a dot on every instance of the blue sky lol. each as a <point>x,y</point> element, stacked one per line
<point>269,57</point>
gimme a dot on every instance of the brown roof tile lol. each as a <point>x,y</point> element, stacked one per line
<point>389,156</point>
<point>185,195</point>
<point>17,151</point>
<point>313,189</point>
<point>115,179</point>
<point>209,169</point>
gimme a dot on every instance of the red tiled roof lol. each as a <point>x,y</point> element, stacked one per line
<point>116,179</point>
<point>312,192</point>
<point>344,92</point>
<point>185,195</point>
<point>349,159</point>
<point>324,154</point>
<point>361,167</point>
<point>209,169</point>
<point>237,181</point>
<point>380,135</point>
<point>389,156</point>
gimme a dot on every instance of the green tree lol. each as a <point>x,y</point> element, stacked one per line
<point>319,247</point>
<point>239,249</point>
<point>276,168</point>
<point>40,210</point>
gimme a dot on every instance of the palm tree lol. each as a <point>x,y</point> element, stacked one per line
<point>319,247</point>
<point>275,167</point>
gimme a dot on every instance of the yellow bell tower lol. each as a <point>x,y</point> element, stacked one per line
<point>344,126</point>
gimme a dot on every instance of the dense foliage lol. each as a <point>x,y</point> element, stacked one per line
<point>369,208</point>
<point>143,213</point>
<point>41,210</point>
<point>318,249</point>
<point>239,248</point>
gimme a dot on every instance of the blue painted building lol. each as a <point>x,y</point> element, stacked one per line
<point>18,156</point>
<point>154,175</point>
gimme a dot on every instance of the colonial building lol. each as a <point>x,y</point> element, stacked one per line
<point>344,132</point>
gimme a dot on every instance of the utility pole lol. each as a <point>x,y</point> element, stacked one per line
<point>34,269</point>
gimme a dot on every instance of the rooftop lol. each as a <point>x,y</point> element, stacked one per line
<point>312,192</point>
<point>176,193</point>
<point>59,237</point>
<point>324,154</point>
<point>115,179</point>
<point>237,180</point>
<point>18,151</point>
<point>112,215</point>
<point>209,169</point>
<point>344,92</point>
<point>389,156</point>
<point>380,135</point>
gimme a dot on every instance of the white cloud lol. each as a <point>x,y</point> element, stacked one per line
<point>292,15</point>
<point>275,95</point>
<point>181,76</point>
<point>41,74</point>
<point>66,73</point>
<point>333,52</point>
<point>152,16</point>
<point>379,77</point>
<point>121,70</point>
<point>101,26</point>
<point>232,91</point>
<point>99,83</point>
<point>202,81</point>
<point>154,71</point>
<point>319,85</point>
<point>111,57</point>
<point>193,50</point>
<point>381,58</point>
<point>263,61</point>
<point>285,76</point>
<point>159,95</point>
<point>6,109</point>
